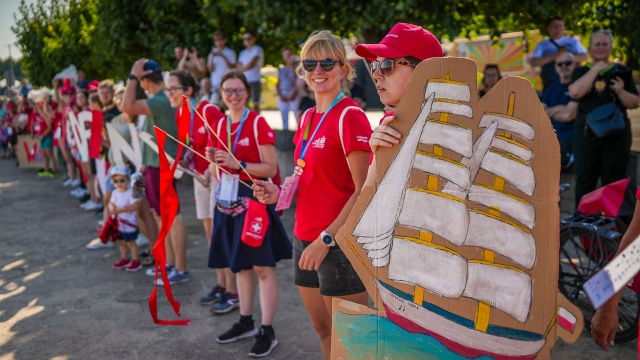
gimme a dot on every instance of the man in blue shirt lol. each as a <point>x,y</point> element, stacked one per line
<point>557,43</point>
<point>559,106</point>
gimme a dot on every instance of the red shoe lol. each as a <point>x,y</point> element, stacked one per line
<point>121,264</point>
<point>134,266</point>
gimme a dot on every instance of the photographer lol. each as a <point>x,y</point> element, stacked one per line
<point>192,63</point>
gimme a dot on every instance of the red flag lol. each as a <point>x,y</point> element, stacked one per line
<point>169,206</point>
<point>185,121</point>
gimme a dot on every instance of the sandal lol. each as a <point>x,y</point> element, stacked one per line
<point>147,261</point>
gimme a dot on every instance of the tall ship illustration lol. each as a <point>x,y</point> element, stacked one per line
<point>461,236</point>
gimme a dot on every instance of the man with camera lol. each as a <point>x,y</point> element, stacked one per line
<point>192,63</point>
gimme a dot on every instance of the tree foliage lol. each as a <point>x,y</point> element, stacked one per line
<point>105,37</point>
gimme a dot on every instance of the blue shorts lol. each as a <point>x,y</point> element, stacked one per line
<point>47,142</point>
<point>128,236</point>
<point>335,277</point>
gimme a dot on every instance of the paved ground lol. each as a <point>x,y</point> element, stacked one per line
<point>61,301</point>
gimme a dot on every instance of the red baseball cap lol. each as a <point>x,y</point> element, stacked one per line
<point>403,40</point>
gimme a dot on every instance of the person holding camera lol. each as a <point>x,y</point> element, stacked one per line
<point>221,59</point>
<point>192,63</point>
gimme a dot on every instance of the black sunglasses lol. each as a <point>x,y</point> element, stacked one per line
<point>386,66</point>
<point>119,180</point>
<point>326,64</point>
<point>564,63</point>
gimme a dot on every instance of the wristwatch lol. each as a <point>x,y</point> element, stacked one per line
<point>243,165</point>
<point>328,239</point>
<point>132,77</point>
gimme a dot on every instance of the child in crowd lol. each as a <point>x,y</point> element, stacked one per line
<point>124,206</point>
<point>5,133</point>
<point>94,102</point>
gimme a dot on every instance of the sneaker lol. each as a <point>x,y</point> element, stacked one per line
<point>237,332</point>
<point>92,206</point>
<point>86,203</point>
<point>213,297</point>
<point>265,342</point>
<point>121,264</point>
<point>134,266</point>
<point>227,303</point>
<point>48,174</point>
<point>175,277</point>
<point>75,182</point>
<point>79,193</point>
<point>152,271</point>
<point>43,173</point>
<point>96,244</point>
<point>142,240</point>
<point>67,182</point>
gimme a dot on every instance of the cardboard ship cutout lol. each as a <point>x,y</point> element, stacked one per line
<point>458,242</point>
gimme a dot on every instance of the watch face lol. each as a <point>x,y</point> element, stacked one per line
<point>327,240</point>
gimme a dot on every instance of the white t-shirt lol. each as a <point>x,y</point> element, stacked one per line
<point>245,57</point>
<point>122,199</point>
<point>220,66</point>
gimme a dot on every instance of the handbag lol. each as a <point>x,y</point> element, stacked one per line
<point>605,120</point>
<point>256,223</point>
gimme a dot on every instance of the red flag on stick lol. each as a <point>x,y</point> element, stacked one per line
<point>169,205</point>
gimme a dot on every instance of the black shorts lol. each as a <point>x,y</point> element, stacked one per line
<point>335,277</point>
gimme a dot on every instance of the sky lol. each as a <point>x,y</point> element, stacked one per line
<point>7,9</point>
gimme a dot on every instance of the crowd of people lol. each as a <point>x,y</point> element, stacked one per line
<point>233,159</point>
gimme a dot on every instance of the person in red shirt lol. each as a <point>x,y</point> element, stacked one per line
<point>43,127</point>
<point>251,155</point>
<point>332,153</point>
<point>179,83</point>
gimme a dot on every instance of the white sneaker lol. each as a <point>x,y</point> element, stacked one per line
<point>67,182</point>
<point>93,206</point>
<point>142,240</point>
<point>96,244</point>
<point>85,204</point>
<point>76,182</point>
<point>79,192</point>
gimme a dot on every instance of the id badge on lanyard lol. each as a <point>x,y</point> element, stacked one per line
<point>291,183</point>
<point>228,189</point>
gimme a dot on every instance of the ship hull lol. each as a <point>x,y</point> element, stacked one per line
<point>418,319</point>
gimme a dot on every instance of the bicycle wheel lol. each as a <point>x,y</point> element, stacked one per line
<point>582,254</point>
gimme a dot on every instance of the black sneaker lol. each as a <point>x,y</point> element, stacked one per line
<point>265,342</point>
<point>237,332</point>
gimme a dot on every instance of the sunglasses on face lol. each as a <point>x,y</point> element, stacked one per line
<point>119,180</point>
<point>386,66</point>
<point>238,91</point>
<point>325,65</point>
<point>564,63</point>
<point>172,90</point>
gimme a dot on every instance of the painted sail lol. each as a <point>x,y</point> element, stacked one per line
<point>495,234</point>
<point>505,289</point>
<point>509,124</point>
<point>432,212</point>
<point>517,173</point>
<point>512,147</point>
<point>508,204</point>
<point>448,136</point>
<point>435,269</point>
<point>452,97</point>
<point>443,167</point>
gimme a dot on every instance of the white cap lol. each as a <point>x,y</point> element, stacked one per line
<point>118,170</point>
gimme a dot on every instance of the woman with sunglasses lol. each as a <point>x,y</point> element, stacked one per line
<point>392,63</point>
<point>251,141</point>
<point>332,155</point>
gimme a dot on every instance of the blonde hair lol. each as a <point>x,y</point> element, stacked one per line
<point>106,84</point>
<point>322,44</point>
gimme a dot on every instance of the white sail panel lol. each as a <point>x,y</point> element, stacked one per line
<point>447,90</point>
<point>504,289</point>
<point>521,211</point>
<point>517,174</point>
<point>438,271</point>
<point>452,108</point>
<point>454,172</point>
<point>378,249</point>
<point>449,136</point>
<point>382,262</point>
<point>381,213</point>
<point>433,213</point>
<point>507,240</point>
<point>522,152</point>
<point>509,124</point>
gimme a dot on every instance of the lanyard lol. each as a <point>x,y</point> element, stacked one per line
<point>306,141</point>
<point>238,131</point>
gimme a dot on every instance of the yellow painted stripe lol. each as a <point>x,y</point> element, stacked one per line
<point>437,121</point>
<point>512,104</point>
<point>512,223</point>
<point>426,236</point>
<point>418,295</point>
<point>450,101</point>
<point>482,316</point>
<point>510,140</point>
<point>430,244</point>
<point>445,81</point>
<point>437,150</point>
<point>553,321</point>
<point>499,184</point>
<point>366,265</point>
<point>505,193</point>
<point>502,266</point>
<point>437,193</point>
<point>488,255</point>
<point>432,183</point>
<point>439,156</point>
<point>509,156</point>
<point>444,117</point>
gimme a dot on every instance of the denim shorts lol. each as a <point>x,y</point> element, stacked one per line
<point>335,277</point>
<point>128,236</point>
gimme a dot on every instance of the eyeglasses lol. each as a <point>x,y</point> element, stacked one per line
<point>325,65</point>
<point>564,63</point>
<point>238,91</point>
<point>247,38</point>
<point>386,66</point>
<point>119,181</point>
<point>172,90</point>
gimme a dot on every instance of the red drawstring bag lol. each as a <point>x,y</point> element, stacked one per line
<point>109,231</point>
<point>256,223</point>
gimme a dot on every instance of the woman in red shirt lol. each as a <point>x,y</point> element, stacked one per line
<point>246,135</point>
<point>332,153</point>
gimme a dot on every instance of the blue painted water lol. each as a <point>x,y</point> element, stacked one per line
<point>374,337</point>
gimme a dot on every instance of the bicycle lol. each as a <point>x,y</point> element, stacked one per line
<point>587,244</point>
